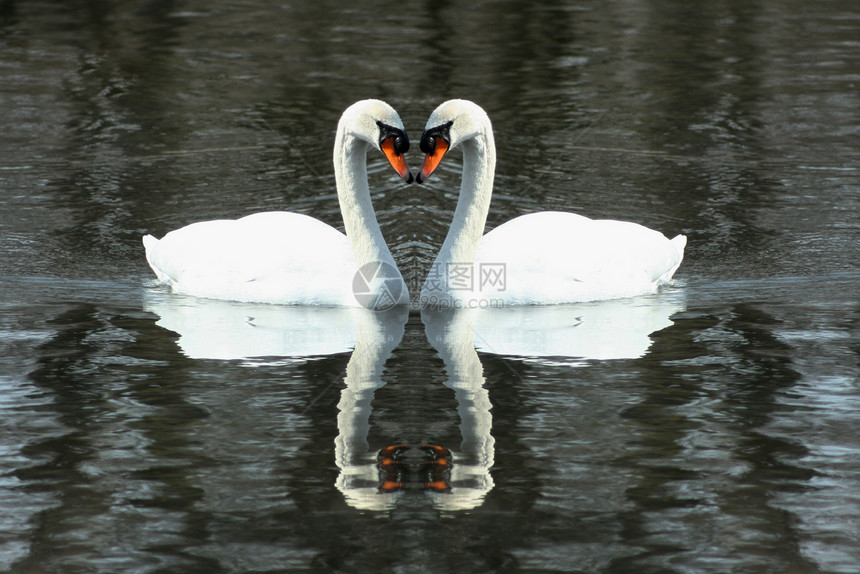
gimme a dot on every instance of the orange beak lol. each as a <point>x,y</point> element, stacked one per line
<point>432,159</point>
<point>396,160</point>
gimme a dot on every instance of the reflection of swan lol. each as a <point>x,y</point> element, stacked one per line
<point>376,337</point>
<point>451,334</point>
<point>290,258</point>
<point>460,486</point>
<point>618,329</point>
<point>549,257</point>
<point>210,329</point>
<point>557,334</point>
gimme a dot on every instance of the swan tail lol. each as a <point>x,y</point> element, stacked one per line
<point>678,243</point>
<point>150,244</point>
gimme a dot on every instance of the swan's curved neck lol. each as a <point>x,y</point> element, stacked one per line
<point>353,192</point>
<point>476,189</point>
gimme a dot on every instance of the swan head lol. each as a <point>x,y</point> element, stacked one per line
<point>378,124</point>
<point>450,124</point>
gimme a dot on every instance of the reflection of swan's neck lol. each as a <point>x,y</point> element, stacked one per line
<point>359,218</point>
<point>363,376</point>
<point>476,189</point>
<point>377,334</point>
<point>452,335</point>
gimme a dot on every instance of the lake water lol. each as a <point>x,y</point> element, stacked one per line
<point>712,427</point>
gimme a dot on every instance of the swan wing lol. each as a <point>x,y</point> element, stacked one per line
<point>270,257</point>
<point>556,257</point>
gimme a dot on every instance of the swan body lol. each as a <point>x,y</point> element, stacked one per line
<point>570,258</point>
<point>252,259</point>
<point>543,258</point>
<point>290,258</point>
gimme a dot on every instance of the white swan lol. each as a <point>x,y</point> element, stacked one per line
<point>294,259</point>
<point>540,258</point>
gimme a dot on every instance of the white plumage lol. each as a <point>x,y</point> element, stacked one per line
<point>290,258</point>
<point>547,257</point>
<point>270,257</point>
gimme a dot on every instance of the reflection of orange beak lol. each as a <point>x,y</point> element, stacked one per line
<point>432,159</point>
<point>396,160</point>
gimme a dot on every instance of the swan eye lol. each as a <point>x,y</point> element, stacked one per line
<point>428,144</point>
<point>401,144</point>
<point>428,138</point>
<point>397,136</point>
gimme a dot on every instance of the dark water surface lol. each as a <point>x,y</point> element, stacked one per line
<point>710,428</point>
